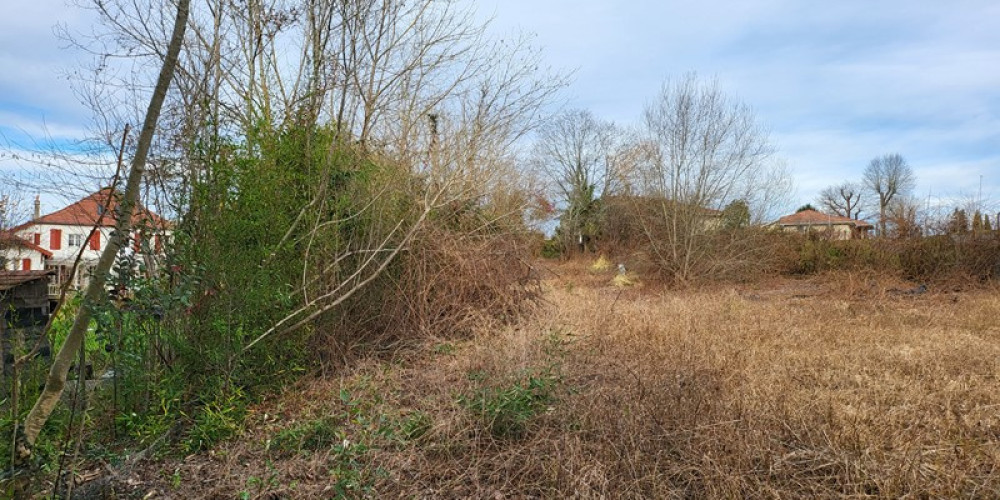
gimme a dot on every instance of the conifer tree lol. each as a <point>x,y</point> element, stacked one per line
<point>959,223</point>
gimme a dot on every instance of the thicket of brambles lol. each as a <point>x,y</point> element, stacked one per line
<point>366,206</point>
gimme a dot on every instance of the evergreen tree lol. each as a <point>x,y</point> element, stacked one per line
<point>987,227</point>
<point>959,223</point>
<point>736,215</point>
<point>977,223</point>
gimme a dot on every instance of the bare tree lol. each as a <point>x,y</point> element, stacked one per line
<point>13,209</point>
<point>843,199</point>
<point>706,149</point>
<point>888,176</point>
<point>576,152</point>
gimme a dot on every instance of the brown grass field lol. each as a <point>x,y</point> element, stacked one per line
<point>833,386</point>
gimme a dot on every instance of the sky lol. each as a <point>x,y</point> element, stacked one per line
<point>836,83</point>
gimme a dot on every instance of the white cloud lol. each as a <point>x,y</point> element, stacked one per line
<point>838,83</point>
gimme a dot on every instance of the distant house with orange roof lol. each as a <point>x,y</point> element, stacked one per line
<point>55,240</point>
<point>834,227</point>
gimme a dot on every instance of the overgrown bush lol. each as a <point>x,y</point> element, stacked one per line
<point>447,282</point>
<point>936,258</point>
<point>746,254</point>
<point>692,245</point>
<point>289,215</point>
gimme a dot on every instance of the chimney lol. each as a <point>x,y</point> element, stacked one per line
<point>38,208</point>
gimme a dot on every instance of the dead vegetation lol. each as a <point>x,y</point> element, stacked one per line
<point>827,387</point>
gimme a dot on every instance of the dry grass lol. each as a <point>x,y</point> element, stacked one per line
<point>833,387</point>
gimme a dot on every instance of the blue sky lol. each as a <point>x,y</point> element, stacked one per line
<point>837,83</point>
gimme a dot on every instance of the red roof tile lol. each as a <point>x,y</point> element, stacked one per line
<point>814,218</point>
<point>87,212</point>
<point>8,238</point>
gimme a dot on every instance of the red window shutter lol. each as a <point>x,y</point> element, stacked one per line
<point>156,243</point>
<point>138,242</point>
<point>26,264</point>
<point>55,239</point>
<point>95,240</point>
<point>38,238</point>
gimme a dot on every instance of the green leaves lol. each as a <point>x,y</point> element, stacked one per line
<point>508,410</point>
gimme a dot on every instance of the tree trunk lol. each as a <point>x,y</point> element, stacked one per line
<point>56,380</point>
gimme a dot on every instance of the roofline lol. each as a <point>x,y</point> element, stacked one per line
<point>25,243</point>
<point>858,224</point>
<point>141,212</point>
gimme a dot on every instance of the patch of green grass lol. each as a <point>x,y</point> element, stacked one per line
<point>507,411</point>
<point>415,425</point>
<point>312,435</point>
<point>444,348</point>
<point>215,422</point>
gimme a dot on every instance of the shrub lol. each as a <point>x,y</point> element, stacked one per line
<point>446,284</point>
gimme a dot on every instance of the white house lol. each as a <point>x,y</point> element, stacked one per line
<point>17,254</point>
<point>81,229</point>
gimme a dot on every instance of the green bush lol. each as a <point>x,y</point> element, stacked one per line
<point>552,248</point>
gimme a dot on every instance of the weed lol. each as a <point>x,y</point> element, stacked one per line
<point>175,479</point>
<point>214,422</point>
<point>444,348</point>
<point>601,265</point>
<point>313,435</point>
<point>507,411</point>
<point>351,476</point>
<point>415,425</point>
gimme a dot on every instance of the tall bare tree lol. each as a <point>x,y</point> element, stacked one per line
<point>706,149</point>
<point>888,176</point>
<point>843,199</point>
<point>576,152</point>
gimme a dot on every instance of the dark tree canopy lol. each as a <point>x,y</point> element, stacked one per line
<point>736,214</point>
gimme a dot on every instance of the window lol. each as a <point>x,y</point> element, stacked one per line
<point>75,240</point>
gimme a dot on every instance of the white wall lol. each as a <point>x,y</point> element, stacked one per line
<point>68,253</point>
<point>15,255</point>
